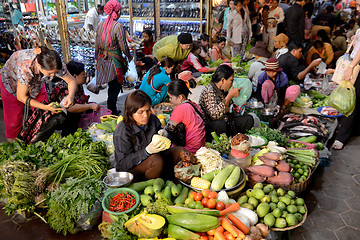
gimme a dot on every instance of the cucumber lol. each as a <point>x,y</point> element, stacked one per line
<point>159,195</point>
<point>309,139</point>
<point>194,221</point>
<point>219,180</point>
<point>140,186</point>
<point>177,209</point>
<point>167,193</point>
<point>182,196</point>
<point>149,190</point>
<point>210,175</point>
<point>145,199</point>
<point>234,178</point>
<point>158,185</point>
<point>180,233</point>
<point>174,190</point>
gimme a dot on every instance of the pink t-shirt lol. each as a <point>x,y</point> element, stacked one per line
<point>194,125</point>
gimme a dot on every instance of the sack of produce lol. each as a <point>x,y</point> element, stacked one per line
<point>343,98</point>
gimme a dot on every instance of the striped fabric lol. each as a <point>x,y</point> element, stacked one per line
<point>105,65</point>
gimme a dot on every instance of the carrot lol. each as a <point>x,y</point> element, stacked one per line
<point>240,225</point>
<point>211,237</point>
<point>228,236</point>
<point>232,208</point>
<point>219,229</point>
<point>211,232</point>
<point>229,227</point>
<point>219,236</point>
<point>240,238</point>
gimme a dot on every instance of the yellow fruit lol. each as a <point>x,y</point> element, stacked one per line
<point>119,119</point>
<point>162,121</point>
<point>160,116</point>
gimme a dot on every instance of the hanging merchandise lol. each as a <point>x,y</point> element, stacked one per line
<point>30,6</point>
<point>343,98</point>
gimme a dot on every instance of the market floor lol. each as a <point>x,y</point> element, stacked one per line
<point>332,198</point>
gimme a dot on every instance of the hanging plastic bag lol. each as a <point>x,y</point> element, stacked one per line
<point>92,87</point>
<point>343,98</point>
<point>131,74</point>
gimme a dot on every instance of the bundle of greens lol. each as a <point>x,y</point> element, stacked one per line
<point>270,134</point>
<point>205,79</point>
<point>220,144</point>
<point>216,63</point>
<point>71,200</point>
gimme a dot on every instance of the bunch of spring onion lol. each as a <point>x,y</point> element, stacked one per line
<point>306,156</point>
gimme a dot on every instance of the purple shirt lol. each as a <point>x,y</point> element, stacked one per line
<point>281,79</point>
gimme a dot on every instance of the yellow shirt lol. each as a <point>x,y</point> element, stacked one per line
<point>327,54</point>
<point>170,47</point>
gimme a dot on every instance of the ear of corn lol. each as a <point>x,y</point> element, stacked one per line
<point>200,183</point>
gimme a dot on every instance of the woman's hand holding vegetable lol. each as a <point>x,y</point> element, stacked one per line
<point>163,132</point>
<point>50,107</point>
<point>155,147</point>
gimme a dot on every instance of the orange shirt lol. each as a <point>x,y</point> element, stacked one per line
<point>352,4</point>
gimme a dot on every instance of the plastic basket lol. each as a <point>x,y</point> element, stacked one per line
<point>88,118</point>
<point>112,192</point>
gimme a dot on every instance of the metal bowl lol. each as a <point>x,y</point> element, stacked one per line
<point>117,179</point>
<point>254,105</point>
<point>268,112</point>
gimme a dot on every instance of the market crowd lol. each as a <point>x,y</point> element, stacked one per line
<point>291,40</point>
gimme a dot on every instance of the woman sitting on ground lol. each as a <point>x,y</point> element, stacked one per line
<point>187,113</point>
<point>216,51</point>
<point>135,151</point>
<point>273,86</point>
<point>81,101</point>
<point>155,80</point>
<point>215,101</point>
<point>193,64</point>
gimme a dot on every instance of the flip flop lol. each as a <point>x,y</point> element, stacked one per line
<point>337,145</point>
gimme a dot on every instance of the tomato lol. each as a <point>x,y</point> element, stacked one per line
<point>205,201</point>
<point>220,206</point>
<point>213,195</point>
<point>198,196</point>
<point>211,203</point>
<point>206,192</point>
<point>192,195</point>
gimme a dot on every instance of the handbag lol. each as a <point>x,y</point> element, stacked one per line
<point>40,125</point>
<point>178,135</point>
<point>87,118</point>
<point>342,63</point>
<point>30,6</point>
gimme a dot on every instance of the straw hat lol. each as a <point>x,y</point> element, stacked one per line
<point>260,49</point>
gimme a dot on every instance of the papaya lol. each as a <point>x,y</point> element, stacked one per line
<point>180,233</point>
<point>145,225</point>
<point>177,209</point>
<point>194,221</point>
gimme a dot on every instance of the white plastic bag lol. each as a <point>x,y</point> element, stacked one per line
<point>92,87</point>
<point>131,74</point>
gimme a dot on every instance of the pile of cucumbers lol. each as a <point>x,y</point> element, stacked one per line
<point>227,177</point>
<point>155,189</point>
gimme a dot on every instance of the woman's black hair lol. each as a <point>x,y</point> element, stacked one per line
<point>221,39</point>
<point>177,88</point>
<point>242,11</point>
<point>75,68</point>
<point>323,35</point>
<point>204,37</point>
<point>151,37</point>
<point>318,44</point>
<point>49,59</point>
<point>223,71</point>
<point>134,101</point>
<point>196,46</point>
<point>166,62</point>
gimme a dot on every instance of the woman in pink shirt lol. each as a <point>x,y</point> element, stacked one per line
<point>188,113</point>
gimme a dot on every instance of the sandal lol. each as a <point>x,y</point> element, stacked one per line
<point>337,145</point>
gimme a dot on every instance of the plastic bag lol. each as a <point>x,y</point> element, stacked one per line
<point>343,98</point>
<point>245,92</point>
<point>131,74</point>
<point>87,119</point>
<point>92,86</point>
<point>91,218</point>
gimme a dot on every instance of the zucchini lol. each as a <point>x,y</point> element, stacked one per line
<point>182,196</point>
<point>166,193</point>
<point>140,186</point>
<point>220,179</point>
<point>149,190</point>
<point>210,175</point>
<point>180,186</point>
<point>177,209</point>
<point>180,233</point>
<point>174,190</point>
<point>145,199</point>
<point>234,178</point>
<point>194,221</point>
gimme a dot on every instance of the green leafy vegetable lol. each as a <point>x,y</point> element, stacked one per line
<point>71,200</point>
<point>270,134</point>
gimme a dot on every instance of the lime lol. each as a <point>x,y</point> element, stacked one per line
<point>296,175</point>
<point>300,171</point>
<point>295,161</point>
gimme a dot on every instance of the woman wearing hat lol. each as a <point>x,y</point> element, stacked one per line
<point>261,54</point>
<point>273,88</point>
<point>110,44</point>
<point>175,47</point>
<point>280,42</point>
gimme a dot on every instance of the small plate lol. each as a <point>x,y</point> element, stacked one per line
<point>335,116</point>
<point>261,145</point>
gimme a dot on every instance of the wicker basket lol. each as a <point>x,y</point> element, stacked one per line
<point>297,188</point>
<point>292,227</point>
